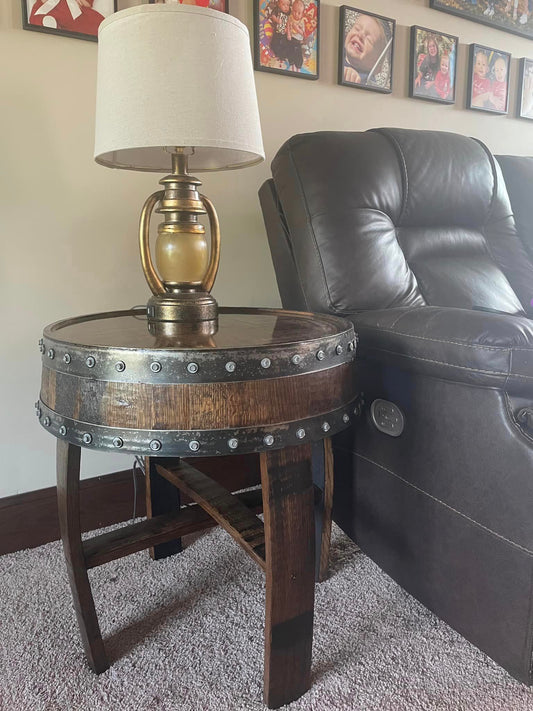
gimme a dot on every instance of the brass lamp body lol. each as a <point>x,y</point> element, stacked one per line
<point>187,264</point>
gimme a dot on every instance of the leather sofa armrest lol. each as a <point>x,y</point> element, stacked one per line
<point>481,348</point>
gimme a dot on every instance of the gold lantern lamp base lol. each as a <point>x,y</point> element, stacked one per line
<point>187,264</point>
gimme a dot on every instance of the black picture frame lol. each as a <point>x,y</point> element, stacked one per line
<point>433,86</point>
<point>371,80</point>
<point>524,107</point>
<point>493,13</point>
<point>484,86</point>
<point>29,23</point>
<point>267,59</point>
<point>225,3</point>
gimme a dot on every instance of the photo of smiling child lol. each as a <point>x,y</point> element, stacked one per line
<point>286,37</point>
<point>432,65</point>
<point>488,79</point>
<point>366,45</point>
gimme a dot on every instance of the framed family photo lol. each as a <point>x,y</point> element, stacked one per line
<point>433,65</point>
<point>488,79</point>
<point>366,50</point>
<point>71,19</point>
<point>286,37</point>
<point>514,16</point>
<point>221,5</point>
<point>525,89</point>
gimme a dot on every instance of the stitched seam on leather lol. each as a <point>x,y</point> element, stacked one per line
<point>490,158</point>
<point>441,362</point>
<point>447,506</point>
<point>442,340</point>
<point>392,139</point>
<point>308,216</point>
<point>507,401</point>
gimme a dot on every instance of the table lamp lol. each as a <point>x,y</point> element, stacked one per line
<point>176,93</point>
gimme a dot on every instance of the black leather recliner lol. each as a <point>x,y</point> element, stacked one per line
<point>411,235</point>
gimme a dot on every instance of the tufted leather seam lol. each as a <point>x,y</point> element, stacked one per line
<point>490,159</point>
<point>442,503</point>
<point>441,340</point>
<point>441,362</point>
<point>309,221</point>
<point>403,164</point>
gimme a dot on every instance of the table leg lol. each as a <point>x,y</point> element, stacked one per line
<point>323,480</point>
<point>286,477</point>
<point>161,497</point>
<point>68,499</point>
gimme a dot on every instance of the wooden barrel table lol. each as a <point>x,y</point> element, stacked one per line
<point>268,381</point>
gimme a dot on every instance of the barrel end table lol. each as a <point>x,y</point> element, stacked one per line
<point>269,382</point>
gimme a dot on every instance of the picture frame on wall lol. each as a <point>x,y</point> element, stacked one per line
<point>366,49</point>
<point>515,16</point>
<point>433,65</point>
<point>70,19</point>
<point>286,37</point>
<point>488,79</point>
<point>525,89</point>
<point>221,5</point>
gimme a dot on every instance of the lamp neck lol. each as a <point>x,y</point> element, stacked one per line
<point>180,162</point>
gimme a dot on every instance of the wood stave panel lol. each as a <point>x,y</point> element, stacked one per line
<point>202,406</point>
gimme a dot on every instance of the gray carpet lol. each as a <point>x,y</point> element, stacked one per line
<point>185,634</point>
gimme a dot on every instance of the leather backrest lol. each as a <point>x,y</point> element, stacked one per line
<point>518,175</point>
<point>395,217</point>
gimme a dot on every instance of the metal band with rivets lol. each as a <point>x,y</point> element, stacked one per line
<point>186,443</point>
<point>162,366</point>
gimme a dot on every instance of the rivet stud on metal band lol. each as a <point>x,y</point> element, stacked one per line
<point>46,422</point>
<point>346,417</point>
<point>120,366</point>
<point>118,442</point>
<point>155,445</point>
<point>194,445</point>
<point>320,355</point>
<point>51,353</point>
<point>326,427</point>
<point>230,366</point>
<point>90,362</point>
<point>155,367</point>
<point>67,358</point>
<point>296,359</point>
<point>87,438</point>
<point>192,368</point>
<point>266,363</point>
<point>268,440</point>
<point>233,443</point>
<point>300,433</point>
<point>338,350</point>
<point>62,430</point>
<point>351,346</point>
<point>41,345</point>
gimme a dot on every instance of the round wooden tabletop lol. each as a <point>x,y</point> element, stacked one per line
<point>265,379</point>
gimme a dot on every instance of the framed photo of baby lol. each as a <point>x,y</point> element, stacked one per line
<point>488,80</point>
<point>286,37</point>
<point>525,89</point>
<point>71,18</point>
<point>366,50</point>
<point>514,16</point>
<point>433,65</point>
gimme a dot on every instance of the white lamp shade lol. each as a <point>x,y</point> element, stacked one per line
<point>175,75</point>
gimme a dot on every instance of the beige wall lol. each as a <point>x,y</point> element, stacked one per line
<point>69,226</point>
